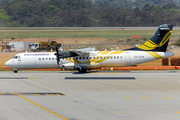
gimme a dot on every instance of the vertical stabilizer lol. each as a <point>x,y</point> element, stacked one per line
<point>159,41</point>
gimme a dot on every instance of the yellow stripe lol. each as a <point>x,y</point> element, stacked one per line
<point>129,97</point>
<point>152,42</point>
<point>162,43</point>
<point>96,61</point>
<point>105,52</point>
<point>152,55</point>
<point>165,39</point>
<point>176,111</point>
<point>76,61</point>
<point>145,48</point>
<point>145,97</point>
<point>32,78</point>
<point>117,52</point>
<point>43,108</point>
<point>149,44</point>
<point>70,60</point>
<point>167,97</point>
<point>99,52</point>
<point>157,55</point>
<point>100,60</point>
<point>93,60</point>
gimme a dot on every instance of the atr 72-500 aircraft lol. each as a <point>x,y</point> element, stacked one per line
<point>83,60</point>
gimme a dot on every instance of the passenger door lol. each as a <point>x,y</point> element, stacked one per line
<point>127,58</point>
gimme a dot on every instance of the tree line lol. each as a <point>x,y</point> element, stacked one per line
<point>82,13</point>
<point>136,3</point>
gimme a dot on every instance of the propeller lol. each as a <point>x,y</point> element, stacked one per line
<point>57,55</point>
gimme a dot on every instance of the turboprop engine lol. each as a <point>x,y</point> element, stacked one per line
<point>64,54</point>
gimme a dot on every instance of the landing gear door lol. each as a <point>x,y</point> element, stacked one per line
<point>127,58</point>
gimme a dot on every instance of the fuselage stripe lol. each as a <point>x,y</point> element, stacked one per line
<point>151,53</point>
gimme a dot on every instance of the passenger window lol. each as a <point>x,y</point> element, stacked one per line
<point>114,57</point>
<point>111,57</point>
<point>49,58</point>
<point>94,57</point>
<point>101,57</point>
<point>97,57</point>
<point>39,58</point>
<point>117,57</point>
<point>104,57</point>
<point>80,58</point>
<point>83,58</point>
<point>42,58</point>
<point>87,57</point>
<point>52,58</point>
<point>121,56</point>
<point>46,58</point>
<point>107,57</point>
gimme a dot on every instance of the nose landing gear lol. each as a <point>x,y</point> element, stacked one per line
<point>15,70</point>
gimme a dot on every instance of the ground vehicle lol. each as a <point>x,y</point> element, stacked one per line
<point>45,46</point>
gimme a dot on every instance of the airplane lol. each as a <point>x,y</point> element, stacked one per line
<point>83,60</point>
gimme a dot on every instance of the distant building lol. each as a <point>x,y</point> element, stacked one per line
<point>20,46</point>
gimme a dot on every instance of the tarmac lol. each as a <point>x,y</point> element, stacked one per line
<point>120,95</point>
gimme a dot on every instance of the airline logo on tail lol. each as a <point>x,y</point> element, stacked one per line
<point>150,45</point>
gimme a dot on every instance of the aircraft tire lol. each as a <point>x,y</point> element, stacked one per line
<point>15,70</point>
<point>82,70</point>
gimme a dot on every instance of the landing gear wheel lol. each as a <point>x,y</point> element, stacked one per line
<point>15,70</point>
<point>82,70</point>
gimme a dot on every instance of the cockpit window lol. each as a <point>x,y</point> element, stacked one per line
<point>16,57</point>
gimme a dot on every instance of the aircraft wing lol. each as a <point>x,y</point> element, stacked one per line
<point>73,53</point>
<point>84,51</point>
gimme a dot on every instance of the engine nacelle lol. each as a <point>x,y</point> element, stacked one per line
<point>65,54</point>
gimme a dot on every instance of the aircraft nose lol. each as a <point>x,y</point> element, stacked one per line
<point>7,63</point>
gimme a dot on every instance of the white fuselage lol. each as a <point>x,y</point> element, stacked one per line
<point>94,59</point>
<point>33,60</point>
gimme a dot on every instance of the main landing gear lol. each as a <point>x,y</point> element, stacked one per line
<point>15,70</point>
<point>82,70</point>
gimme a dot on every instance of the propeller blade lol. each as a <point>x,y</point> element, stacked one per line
<point>57,55</point>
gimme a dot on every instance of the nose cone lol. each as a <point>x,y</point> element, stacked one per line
<point>7,63</point>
